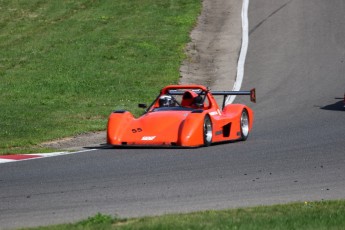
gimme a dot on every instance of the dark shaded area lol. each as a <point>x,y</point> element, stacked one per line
<point>338,106</point>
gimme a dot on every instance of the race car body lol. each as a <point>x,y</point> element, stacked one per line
<point>183,115</point>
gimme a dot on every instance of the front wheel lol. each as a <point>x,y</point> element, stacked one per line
<point>207,131</point>
<point>244,123</point>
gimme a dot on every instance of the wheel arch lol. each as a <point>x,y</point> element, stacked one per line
<point>191,130</point>
<point>235,111</point>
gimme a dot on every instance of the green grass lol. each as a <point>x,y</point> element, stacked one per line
<point>65,65</point>
<point>308,215</point>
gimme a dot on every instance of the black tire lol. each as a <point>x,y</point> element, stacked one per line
<point>244,124</point>
<point>207,131</point>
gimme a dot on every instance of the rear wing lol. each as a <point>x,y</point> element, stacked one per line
<point>251,92</point>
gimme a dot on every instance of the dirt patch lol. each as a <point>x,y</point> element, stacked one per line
<point>79,142</point>
<point>215,46</point>
<point>211,60</point>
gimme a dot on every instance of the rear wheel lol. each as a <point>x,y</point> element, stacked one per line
<point>207,131</point>
<point>244,123</point>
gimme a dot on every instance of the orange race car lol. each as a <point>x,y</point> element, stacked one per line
<point>183,115</point>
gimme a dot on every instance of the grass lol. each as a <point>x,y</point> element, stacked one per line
<point>65,65</point>
<point>308,215</point>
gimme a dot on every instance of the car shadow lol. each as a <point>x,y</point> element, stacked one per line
<point>106,146</point>
<point>100,146</point>
<point>338,106</point>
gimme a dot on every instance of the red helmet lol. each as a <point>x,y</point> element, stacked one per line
<point>188,98</point>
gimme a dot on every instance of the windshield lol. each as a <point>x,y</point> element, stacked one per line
<point>174,108</point>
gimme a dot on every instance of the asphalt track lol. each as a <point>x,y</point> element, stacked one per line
<point>296,151</point>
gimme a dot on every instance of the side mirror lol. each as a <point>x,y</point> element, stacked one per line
<point>143,106</point>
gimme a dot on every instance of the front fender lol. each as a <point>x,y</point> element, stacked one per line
<point>117,122</point>
<point>191,130</point>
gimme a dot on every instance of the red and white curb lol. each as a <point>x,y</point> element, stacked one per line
<point>23,157</point>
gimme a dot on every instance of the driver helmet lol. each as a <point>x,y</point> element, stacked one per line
<point>188,98</point>
<point>166,101</point>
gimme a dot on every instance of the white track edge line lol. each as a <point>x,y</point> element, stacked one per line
<point>243,53</point>
<point>61,153</point>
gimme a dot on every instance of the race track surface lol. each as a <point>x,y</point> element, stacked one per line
<point>296,152</point>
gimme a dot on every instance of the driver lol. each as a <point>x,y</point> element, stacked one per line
<point>166,101</point>
<point>192,100</point>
